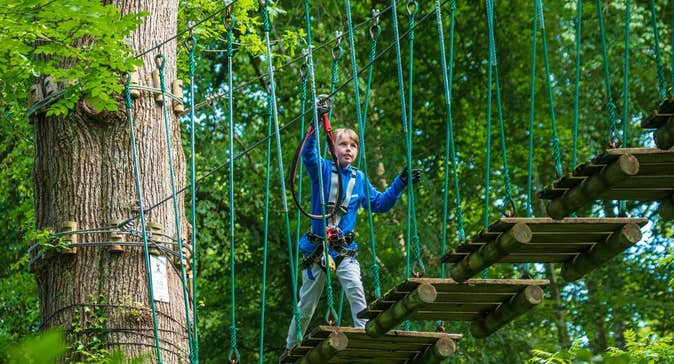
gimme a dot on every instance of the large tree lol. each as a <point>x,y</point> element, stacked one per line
<point>84,173</point>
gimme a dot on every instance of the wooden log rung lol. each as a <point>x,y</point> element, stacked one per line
<point>394,347</point>
<point>552,241</point>
<point>655,168</point>
<point>659,116</point>
<point>449,304</point>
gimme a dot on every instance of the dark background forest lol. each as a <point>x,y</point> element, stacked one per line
<point>626,301</point>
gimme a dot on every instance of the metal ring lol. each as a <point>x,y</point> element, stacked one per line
<point>375,30</point>
<point>512,212</point>
<point>412,8</point>
<point>160,60</point>
<point>614,140</point>
<point>338,50</point>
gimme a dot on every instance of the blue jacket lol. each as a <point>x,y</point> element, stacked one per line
<point>379,201</point>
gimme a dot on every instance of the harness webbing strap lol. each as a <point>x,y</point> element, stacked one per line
<point>332,198</point>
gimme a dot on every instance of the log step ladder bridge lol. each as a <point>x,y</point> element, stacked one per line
<point>347,345</point>
<point>580,244</point>
<point>639,174</point>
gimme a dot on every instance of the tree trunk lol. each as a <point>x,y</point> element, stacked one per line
<point>599,342</point>
<point>83,172</point>
<point>562,334</point>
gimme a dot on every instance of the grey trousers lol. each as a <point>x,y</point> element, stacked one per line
<point>348,273</point>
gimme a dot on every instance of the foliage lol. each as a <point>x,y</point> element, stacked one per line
<point>64,40</point>
<point>640,349</point>
<point>49,347</point>
<point>632,291</point>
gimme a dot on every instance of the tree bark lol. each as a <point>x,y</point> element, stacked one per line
<point>83,172</point>
<point>599,342</point>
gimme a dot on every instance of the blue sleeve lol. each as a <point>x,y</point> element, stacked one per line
<point>384,201</point>
<point>310,156</point>
<point>306,247</point>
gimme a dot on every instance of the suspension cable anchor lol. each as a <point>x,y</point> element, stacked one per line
<point>512,211</point>
<point>614,140</point>
<point>412,8</point>
<point>160,60</point>
<point>375,30</point>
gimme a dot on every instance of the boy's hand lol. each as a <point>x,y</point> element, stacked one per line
<point>416,175</point>
<point>323,104</point>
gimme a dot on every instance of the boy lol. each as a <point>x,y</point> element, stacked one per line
<point>340,229</point>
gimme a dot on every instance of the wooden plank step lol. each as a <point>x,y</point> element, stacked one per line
<point>660,115</point>
<point>544,240</point>
<point>487,303</point>
<point>641,174</point>
<point>662,120</point>
<point>330,344</point>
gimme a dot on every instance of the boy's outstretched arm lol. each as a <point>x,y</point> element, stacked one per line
<point>384,201</point>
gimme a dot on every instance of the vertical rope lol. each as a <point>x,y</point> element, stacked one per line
<point>532,111</point>
<point>401,91</point>
<point>279,155</point>
<point>161,63</point>
<point>576,98</point>
<point>418,268</point>
<point>266,231</point>
<point>556,154</point>
<point>662,87</point>
<point>450,150</point>
<point>622,205</point>
<point>141,213</point>
<point>192,45</point>
<point>233,356</point>
<point>375,31</point>
<point>361,129</point>
<point>330,298</point>
<point>298,231</point>
<point>613,139</point>
<point>508,200</point>
<point>487,179</point>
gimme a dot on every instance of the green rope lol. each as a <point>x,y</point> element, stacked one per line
<point>233,355</point>
<point>266,229</point>
<point>340,308</point>
<point>274,111</point>
<point>139,191</point>
<point>375,31</point>
<point>450,151</point>
<point>298,231</point>
<point>551,101</point>
<point>419,268</point>
<point>191,45</point>
<point>508,200</point>
<point>532,110</point>
<point>403,114</point>
<point>576,102</point>
<point>487,179</point>
<point>330,313</point>
<point>622,205</point>
<point>161,62</point>
<point>662,87</point>
<point>626,71</point>
<point>613,139</point>
<point>337,53</point>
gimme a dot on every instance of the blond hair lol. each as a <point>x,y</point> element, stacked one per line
<point>346,133</point>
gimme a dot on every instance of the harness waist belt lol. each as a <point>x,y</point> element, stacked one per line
<point>336,243</point>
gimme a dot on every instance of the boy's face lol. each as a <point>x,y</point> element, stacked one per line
<point>346,150</point>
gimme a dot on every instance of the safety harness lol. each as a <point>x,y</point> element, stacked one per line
<point>336,240</point>
<point>335,206</point>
